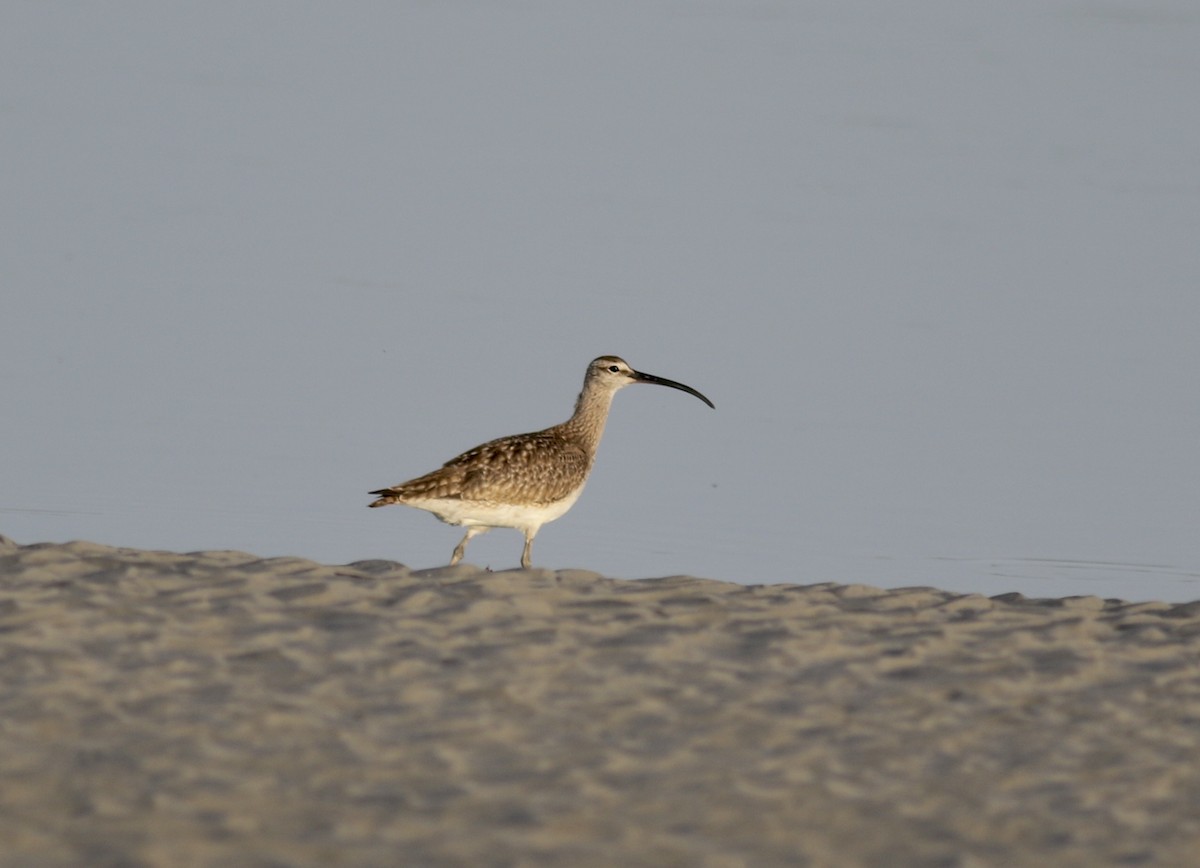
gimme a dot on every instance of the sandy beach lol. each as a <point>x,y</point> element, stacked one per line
<point>216,708</point>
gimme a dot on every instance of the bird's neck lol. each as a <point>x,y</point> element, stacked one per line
<point>586,426</point>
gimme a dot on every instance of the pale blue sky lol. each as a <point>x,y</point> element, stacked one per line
<point>936,264</point>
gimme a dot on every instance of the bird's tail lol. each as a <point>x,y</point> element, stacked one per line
<point>386,496</point>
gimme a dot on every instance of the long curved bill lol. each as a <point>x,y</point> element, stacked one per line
<point>663,381</point>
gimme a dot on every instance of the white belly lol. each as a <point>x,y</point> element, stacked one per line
<point>475,513</point>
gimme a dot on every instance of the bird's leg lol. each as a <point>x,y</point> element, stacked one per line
<point>461,548</point>
<point>525,559</point>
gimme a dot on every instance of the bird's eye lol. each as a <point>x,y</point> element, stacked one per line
<point>614,369</point>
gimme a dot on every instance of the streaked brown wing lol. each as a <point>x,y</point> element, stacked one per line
<point>533,468</point>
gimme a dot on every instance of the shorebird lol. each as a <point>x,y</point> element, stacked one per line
<point>525,480</point>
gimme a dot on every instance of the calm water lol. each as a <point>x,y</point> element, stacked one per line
<point>936,266</point>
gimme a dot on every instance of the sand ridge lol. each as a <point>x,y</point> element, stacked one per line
<point>218,708</point>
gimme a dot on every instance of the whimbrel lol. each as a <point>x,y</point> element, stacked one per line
<point>525,480</point>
